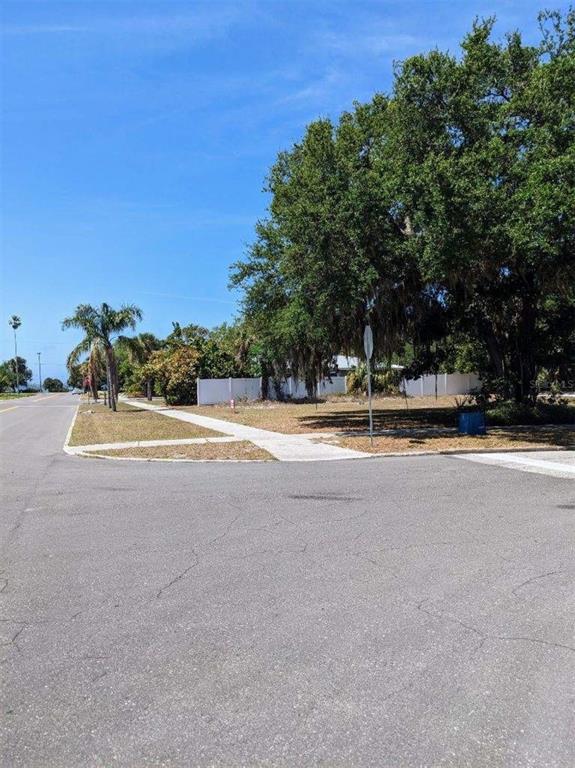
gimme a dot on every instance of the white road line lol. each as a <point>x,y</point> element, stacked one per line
<point>528,464</point>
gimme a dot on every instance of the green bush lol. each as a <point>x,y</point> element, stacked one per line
<point>175,374</point>
<point>508,413</point>
<point>385,382</point>
<point>54,385</point>
<point>134,390</point>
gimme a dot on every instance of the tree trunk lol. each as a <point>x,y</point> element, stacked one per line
<point>113,376</point>
<point>109,402</point>
<point>496,356</point>
<point>94,388</point>
<point>110,392</point>
<point>149,389</point>
<point>523,359</point>
<point>266,373</point>
<point>110,368</point>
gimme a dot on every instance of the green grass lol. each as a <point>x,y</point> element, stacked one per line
<point>14,395</point>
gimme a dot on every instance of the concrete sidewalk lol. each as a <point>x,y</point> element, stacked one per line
<point>282,447</point>
<point>80,449</point>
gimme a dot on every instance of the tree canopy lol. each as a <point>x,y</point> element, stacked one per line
<point>54,385</point>
<point>443,214</point>
<point>8,377</point>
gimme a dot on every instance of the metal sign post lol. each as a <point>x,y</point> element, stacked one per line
<point>368,348</point>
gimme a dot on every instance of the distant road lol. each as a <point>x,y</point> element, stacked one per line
<point>385,612</point>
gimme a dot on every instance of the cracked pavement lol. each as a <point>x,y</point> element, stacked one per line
<point>403,612</point>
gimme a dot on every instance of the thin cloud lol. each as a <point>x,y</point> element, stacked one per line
<point>361,42</point>
<point>204,23</point>
<point>367,37</point>
<point>316,91</point>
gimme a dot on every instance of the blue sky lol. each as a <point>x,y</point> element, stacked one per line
<point>137,135</point>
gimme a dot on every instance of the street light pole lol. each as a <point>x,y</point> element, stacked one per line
<point>40,371</point>
<point>15,323</point>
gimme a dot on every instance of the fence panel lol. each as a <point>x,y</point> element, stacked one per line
<point>248,389</point>
<point>337,386</point>
<point>212,391</point>
<point>447,384</point>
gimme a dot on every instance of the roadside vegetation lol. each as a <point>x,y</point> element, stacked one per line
<point>13,395</point>
<point>101,325</point>
<point>241,450</point>
<point>14,375</point>
<point>53,385</point>
<point>440,213</point>
<point>96,423</point>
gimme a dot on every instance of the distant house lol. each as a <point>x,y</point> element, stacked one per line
<point>342,365</point>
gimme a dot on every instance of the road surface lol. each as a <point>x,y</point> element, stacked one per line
<point>385,612</point>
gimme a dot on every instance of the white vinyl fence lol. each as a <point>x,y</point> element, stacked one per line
<point>447,384</point>
<point>211,391</point>
<point>296,389</point>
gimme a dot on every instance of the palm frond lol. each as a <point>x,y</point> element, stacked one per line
<point>80,349</point>
<point>126,317</point>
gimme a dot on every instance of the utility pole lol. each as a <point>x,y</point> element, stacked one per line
<point>40,371</point>
<point>15,323</point>
<point>368,348</point>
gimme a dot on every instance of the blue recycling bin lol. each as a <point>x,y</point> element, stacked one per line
<point>472,423</point>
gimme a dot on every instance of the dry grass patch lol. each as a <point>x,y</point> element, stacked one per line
<point>495,440</point>
<point>341,415</point>
<point>241,450</point>
<point>159,402</point>
<point>98,424</point>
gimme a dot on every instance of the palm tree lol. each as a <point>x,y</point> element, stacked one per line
<point>93,368</point>
<point>140,349</point>
<point>101,326</point>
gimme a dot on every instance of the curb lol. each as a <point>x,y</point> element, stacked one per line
<point>175,461</point>
<point>66,446</point>
<point>70,450</point>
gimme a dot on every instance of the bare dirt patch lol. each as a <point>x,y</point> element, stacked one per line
<point>98,424</point>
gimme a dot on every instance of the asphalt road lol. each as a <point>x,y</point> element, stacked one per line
<point>386,612</point>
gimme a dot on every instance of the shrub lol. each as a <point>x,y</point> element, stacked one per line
<point>508,412</point>
<point>383,382</point>
<point>134,390</point>
<point>175,373</point>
